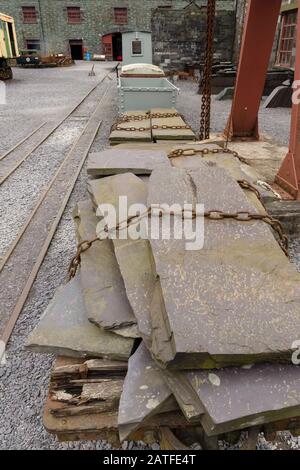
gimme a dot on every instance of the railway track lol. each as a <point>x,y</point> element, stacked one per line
<point>11,160</point>
<point>23,259</point>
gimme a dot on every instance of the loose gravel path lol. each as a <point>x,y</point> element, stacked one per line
<point>45,94</point>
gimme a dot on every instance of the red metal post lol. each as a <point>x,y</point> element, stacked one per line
<point>288,176</point>
<point>259,33</point>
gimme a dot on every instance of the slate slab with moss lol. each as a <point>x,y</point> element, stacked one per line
<point>133,255</point>
<point>233,302</point>
<point>145,393</point>
<point>115,161</point>
<point>241,397</point>
<point>102,284</point>
<point>65,330</point>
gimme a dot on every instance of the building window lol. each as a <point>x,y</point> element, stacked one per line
<point>136,47</point>
<point>287,42</point>
<point>121,16</point>
<point>74,15</point>
<point>33,44</point>
<point>29,15</point>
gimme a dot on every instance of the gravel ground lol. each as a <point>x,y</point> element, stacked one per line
<point>24,377</point>
<point>36,95</point>
<point>274,122</point>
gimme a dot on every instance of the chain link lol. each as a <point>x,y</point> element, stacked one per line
<point>189,152</point>
<point>143,129</point>
<point>206,80</point>
<point>214,215</point>
<point>142,117</point>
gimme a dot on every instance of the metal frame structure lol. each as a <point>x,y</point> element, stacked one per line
<point>259,33</point>
<point>288,176</point>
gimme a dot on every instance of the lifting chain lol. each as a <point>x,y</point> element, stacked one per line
<point>148,116</point>
<point>143,129</point>
<point>206,80</point>
<point>211,215</point>
<point>189,152</point>
<point>143,117</point>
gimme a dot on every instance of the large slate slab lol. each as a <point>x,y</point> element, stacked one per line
<point>241,397</point>
<point>145,393</point>
<point>170,134</point>
<point>134,256</point>
<point>102,285</point>
<point>235,301</point>
<point>118,136</point>
<point>234,167</point>
<point>114,161</point>
<point>64,329</point>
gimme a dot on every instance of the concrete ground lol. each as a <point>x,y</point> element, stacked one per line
<point>45,94</point>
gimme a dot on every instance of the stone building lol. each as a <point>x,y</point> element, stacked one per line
<point>179,34</point>
<point>286,45</point>
<point>76,26</point>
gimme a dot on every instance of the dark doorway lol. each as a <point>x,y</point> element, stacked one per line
<point>117,46</point>
<point>112,46</point>
<point>12,39</point>
<point>76,48</point>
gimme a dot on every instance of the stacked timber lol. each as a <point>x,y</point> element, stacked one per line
<point>201,338</point>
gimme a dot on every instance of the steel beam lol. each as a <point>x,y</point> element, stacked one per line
<point>288,176</point>
<point>259,33</point>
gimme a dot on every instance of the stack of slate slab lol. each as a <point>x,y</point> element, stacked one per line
<point>140,126</point>
<point>209,330</point>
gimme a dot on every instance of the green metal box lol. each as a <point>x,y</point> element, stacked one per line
<point>146,93</point>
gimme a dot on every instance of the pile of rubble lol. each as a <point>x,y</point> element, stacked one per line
<point>208,331</point>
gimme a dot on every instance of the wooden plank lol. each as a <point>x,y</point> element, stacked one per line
<point>103,426</point>
<point>106,390</point>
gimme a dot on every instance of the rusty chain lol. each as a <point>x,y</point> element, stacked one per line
<point>146,116</point>
<point>137,118</point>
<point>215,215</point>
<point>143,129</point>
<point>244,184</point>
<point>206,80</point>
<point>189,152</point>
<point>85,245</point>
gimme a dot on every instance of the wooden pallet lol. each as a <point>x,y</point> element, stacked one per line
<point>83,405</point>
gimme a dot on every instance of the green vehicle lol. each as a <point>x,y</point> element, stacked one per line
<point>8,46</point>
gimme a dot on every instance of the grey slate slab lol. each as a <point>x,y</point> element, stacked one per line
<point>118,136</point>
<point>235,301</point>
<point>237,169</point>
<point>114,161</point>
<point>170,134</point>
<point>134,256</point>
<point>64,329</point>
<point>102,285</point>
<point>241,397</point>
<point>145,393</point>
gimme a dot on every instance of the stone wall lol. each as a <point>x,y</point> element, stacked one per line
<point>179,35</point>
<point>54,32</point>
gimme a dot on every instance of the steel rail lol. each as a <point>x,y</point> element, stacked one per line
<point>18,144</point>
<point>9,326</point>
<point>22,160</point>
